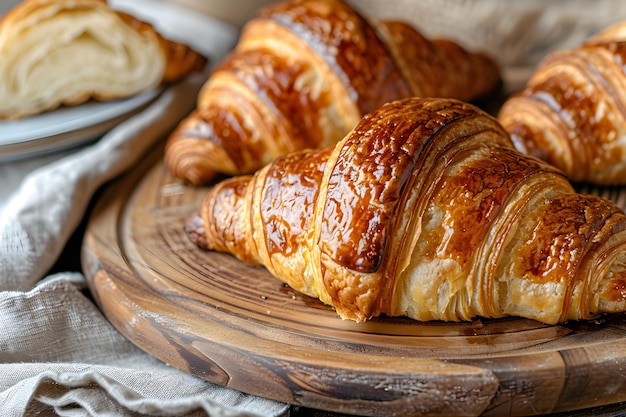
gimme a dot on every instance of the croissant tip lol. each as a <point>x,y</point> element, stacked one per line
<point>195,231</point>
<point>197,177</point>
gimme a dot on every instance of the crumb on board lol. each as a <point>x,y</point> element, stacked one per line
<point>172,189</point>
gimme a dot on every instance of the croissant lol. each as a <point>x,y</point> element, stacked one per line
<point>65,52</point>
<point>572,111</point>
<point>302,75</point>
<point>424,210</point>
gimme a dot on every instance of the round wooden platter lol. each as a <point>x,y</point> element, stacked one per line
<point>234,324</point>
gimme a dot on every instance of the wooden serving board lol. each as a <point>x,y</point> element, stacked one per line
<point>234,324</point>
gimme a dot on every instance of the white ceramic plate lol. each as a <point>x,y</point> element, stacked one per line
<point>73,126</point>
<point>67,126</point>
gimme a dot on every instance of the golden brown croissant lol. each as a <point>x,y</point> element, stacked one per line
<point>302,75</point>
<point>572,110</point>
<point>65,52</point>
<point>424,210</point>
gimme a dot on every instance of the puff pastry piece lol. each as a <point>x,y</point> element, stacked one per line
<point>424,210</point>
<point>572,112</point>
<point>65,52</point>
<point>302,75</point>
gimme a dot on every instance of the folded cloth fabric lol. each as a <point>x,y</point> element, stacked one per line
<point>42,213</point>
<point>90,369</point>
<point>58,353</point>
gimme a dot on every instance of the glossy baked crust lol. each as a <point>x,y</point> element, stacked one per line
<point>424,210</point>
<point>65,52</point>
<point>572,112</point>
<point>302,75</point>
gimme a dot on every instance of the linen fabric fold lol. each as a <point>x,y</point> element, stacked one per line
<point>58,353</point>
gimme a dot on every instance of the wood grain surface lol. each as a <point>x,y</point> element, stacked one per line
<point>234,324</point>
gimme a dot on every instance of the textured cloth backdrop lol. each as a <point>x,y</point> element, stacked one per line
<point>518,34</point>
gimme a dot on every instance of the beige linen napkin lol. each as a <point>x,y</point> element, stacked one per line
<point>57,352</point>
<point>42,213</point>
<point>59,355</point>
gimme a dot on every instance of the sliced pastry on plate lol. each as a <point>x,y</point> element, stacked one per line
<point>424,210</point>
<point>302,75</point>
<point>572,112</point>
<point>65,52</point>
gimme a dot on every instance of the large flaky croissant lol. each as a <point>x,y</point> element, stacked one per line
<point>65,52</point>
<point>302,75</point>
<point>572,112</point>
<point>424,210</point>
